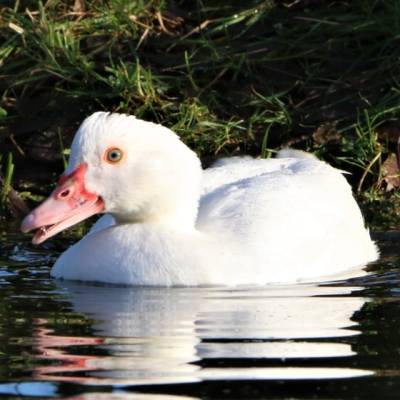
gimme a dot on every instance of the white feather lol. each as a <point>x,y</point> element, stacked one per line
<point>258,221</point>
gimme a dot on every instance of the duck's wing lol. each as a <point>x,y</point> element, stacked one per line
<point>286,211</point>
<point>231,170</point>
<point>245,196</point>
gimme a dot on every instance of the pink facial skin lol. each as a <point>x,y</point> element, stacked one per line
<point>67,205</point>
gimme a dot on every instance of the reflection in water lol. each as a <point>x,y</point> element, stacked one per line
<point>126,396</point>
<point>158,335</point>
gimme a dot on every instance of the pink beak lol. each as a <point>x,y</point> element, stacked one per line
<point>69,204</point>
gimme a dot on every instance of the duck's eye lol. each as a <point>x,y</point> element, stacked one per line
<point>113,155</point>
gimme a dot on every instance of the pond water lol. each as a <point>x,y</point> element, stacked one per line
<point>76,341</point>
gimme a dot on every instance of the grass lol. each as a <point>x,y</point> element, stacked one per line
<point>6,181</point>
<point>230,77</point>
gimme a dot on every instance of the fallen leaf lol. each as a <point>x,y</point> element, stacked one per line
<point>391,172</point>
<point>326,133</point>
<point>79,6</point>
<point>16,205</point>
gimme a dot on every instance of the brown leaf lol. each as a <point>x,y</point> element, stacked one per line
<point>326,133</point>
<point>16,205</point>
<point>391,172</point>
<point>79,6</point>
<point>389,132</point>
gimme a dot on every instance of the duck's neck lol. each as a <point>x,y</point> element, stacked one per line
<point>177,208</point>
<point>177,220</point>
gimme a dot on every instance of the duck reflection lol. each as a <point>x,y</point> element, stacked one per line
<point>159,335</point>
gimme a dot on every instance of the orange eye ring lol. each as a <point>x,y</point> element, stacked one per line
<point>113,155</point>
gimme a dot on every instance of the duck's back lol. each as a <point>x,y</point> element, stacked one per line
<point>284,219</point>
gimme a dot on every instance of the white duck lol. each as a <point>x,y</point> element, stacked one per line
<point>172,223</point>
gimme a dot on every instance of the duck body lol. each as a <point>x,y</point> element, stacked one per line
<point>259,222</point>
<point>242,222</point>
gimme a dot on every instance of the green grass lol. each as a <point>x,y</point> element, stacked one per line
<point>6,181</point>
<point>228,76</point>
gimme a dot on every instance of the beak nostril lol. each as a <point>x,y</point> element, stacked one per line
<point>64,194</point>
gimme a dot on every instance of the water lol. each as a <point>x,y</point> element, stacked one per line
<point>78,341</point>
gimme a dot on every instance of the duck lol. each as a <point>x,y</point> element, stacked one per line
<point>168,222</point>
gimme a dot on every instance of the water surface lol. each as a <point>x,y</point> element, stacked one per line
<point>78,341</point>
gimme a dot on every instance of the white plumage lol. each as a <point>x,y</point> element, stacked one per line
<point>241,222</point>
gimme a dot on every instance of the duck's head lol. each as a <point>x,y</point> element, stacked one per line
<point>136,170</point>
